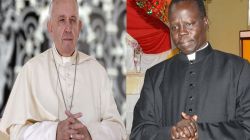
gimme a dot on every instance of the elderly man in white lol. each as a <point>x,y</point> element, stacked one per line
<point>62,93</point>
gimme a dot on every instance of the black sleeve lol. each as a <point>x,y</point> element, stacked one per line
<point>239,128</point>
<point>147,124</point>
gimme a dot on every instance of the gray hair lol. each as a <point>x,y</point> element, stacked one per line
<point>51,6</point>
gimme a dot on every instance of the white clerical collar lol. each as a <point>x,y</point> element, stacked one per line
<point>63,60</point>
<point>191,57</point>
<point>66,59</point>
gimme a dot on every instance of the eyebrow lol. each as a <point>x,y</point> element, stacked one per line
<point>63,16</point>
<point>73,17</point>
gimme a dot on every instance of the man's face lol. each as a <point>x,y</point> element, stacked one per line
<point>64,26</point>
<point>188,28</point>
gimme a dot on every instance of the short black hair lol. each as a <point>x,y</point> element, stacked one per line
<point>200,4</point>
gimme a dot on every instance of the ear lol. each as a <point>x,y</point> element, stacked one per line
<point>49,26</point>
<point>206,23</point>
<point>80,25</point>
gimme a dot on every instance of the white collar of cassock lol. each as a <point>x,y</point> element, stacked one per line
<point>64,60</point>
<point>191,57</point>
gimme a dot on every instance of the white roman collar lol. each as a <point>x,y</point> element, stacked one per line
<point>191,57</point>
<point>63,60</point>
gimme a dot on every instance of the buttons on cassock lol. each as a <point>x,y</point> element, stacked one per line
<point>192,85</point>
<point>192,73</point>
<point>191,98</point>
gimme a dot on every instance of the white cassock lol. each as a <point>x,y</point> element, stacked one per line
<point>36,105</point>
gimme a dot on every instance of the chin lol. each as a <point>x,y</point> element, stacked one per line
<point>186,50</point>
<point>68,49</point>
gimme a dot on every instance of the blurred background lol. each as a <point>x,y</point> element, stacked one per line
<point>23,34</point>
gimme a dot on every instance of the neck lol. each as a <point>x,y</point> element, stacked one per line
<point>65,54</point>
<point>192,56</point>
<point>62,59</point>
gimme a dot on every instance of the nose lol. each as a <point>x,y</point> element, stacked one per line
<point>183,30</point>
<point>68,27</point>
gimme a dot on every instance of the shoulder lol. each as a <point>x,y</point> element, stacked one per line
<point>37,60</point>
<point>157,68</point>
<point>232,63</point>
<point>91,66</point>
<point>160,67</point>
<point>90,61</point>
<point>156,73</point>
<point>229,58</point>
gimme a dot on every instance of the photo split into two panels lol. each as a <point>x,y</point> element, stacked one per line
<point>125,36</point>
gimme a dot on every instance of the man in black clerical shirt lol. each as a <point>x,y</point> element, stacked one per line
<point>201,93</point>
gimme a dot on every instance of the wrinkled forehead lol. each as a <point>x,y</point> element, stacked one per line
<point>67,8</point>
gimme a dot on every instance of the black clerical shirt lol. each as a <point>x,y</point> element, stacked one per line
<point>216,87</point>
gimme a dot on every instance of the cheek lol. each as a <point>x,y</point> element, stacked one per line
<point>193,35</point>
<point>60,33</point>
<point>175,39</point>
<point>57,35</point>
<point>76,31</point>
<point>198,37</point>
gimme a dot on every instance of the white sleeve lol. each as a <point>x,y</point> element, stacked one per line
<point>45,130</point>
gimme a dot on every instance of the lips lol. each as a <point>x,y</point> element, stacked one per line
<point>185,43</point>
<point>68,39</point>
